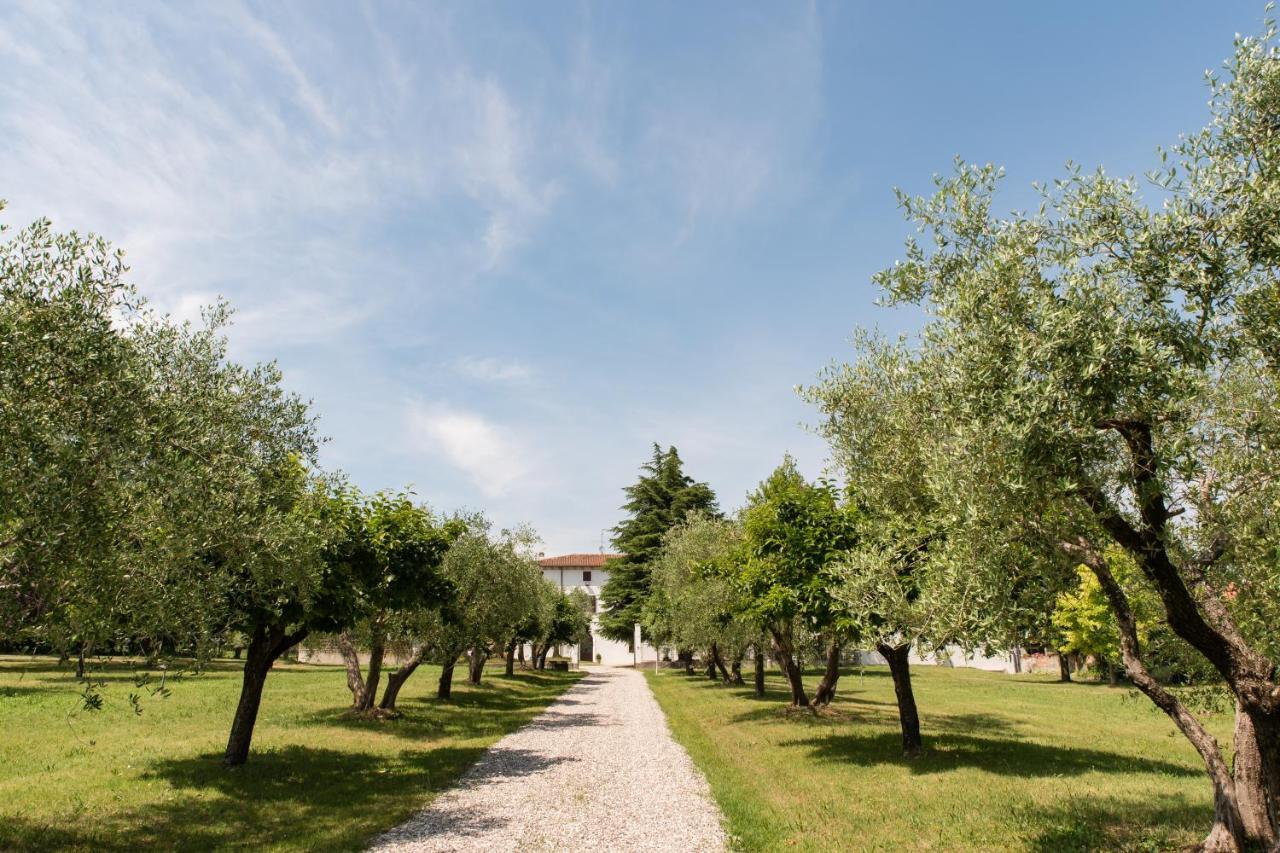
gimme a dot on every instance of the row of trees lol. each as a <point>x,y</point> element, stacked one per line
<point>1094,390</point>
<point>157,497</point>
<point>498,603</point>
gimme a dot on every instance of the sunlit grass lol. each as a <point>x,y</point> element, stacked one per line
<point>316,780</point>
<point>1012,763</point>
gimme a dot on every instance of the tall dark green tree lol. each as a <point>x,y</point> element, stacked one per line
<point>662,498</point>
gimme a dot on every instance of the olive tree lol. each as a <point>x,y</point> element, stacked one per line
<point>1111,378</point>
<point>495,582</point>
<point>154,494</point>
<point>133,454</point>
<point>692,604</point>
<point>881,427</point>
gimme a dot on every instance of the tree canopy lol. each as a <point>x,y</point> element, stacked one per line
<point>1108,376</point>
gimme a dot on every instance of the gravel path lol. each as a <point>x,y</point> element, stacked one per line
<point>597,770</point>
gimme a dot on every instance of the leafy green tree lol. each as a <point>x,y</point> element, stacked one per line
<point>692,604</point>
<point>880,424</point>
<point>1111,377</point>
<point>662,498</point>
<point>338,559</point>
<point>535,625</point>
<point>496,587</point>
<point>570,622</point>
<point>391,557</point>
<point>793,534</point>
<point>1087,626</point>
<point>153,493</point>
<point>133,455</point>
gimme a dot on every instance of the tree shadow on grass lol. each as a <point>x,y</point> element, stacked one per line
<point>475,710</point>
<point>311,797</point>
<point>14,691</point>
<point>951,750</point>
<point>847,706</point>
<point>775,685</point>
<point>1111,823</point>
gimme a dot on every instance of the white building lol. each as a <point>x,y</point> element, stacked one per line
<point>587,572</point>
<point>1013,661</point>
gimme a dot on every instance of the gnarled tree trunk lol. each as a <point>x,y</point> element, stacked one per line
<point>363,690</point>
<point>267,644</point>
<point>377,652</point>
<point>396,680</point>
<point>735,667</point>
<point>827,687</point>
<point>355,673</point>
<point>511,658</point>
<point>1242,819</point>
<point>1064,667</point>
<point>908,717</point>
<point>475,669</point>
<point>719,662</point>
<point>444,689</point>
<point>1198,613</point>
<point>784,652</point>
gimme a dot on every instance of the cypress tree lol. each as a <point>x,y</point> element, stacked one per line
<point>658,501</point>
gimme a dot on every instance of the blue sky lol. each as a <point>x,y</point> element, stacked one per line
<point>504,248</point>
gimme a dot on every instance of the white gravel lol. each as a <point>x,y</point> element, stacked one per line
<point>597,770</point>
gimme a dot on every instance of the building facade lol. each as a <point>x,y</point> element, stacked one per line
<point>587,572</point>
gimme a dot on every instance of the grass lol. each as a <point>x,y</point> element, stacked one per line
<point>1011,763</point>
<point>317,779</point>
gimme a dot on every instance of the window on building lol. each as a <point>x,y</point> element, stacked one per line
<point>586,577</point>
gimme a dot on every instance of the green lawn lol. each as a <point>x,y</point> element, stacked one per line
<point>1012,763</point>
<point>317,780</point>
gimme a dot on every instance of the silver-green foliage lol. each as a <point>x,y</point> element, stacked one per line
<point>692,604</point>
<point>143,475</point>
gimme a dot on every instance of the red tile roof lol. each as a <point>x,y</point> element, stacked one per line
<point>577,561</point>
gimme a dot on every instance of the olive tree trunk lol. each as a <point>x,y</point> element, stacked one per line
<point>355,673</point>
<point>718,659</point>
<point>364,690</point>
<point>396,679</point>
<point>444,689</point>
<point>908,716</point>
<point>377,653</point>
<point>785,653</point>
<point>1197,612</point>
<point>827,687</point>
<point>686,657</point>
<point>475,669</point>
<point>266,646</point>
<point>1244,802</point>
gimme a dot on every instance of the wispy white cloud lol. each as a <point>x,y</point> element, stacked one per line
<point>228,159</point>
<point>493,457</point>
<point>372,189</point>
<point>308,94</point>
<point>722,163</point>
<point>492,369</point>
